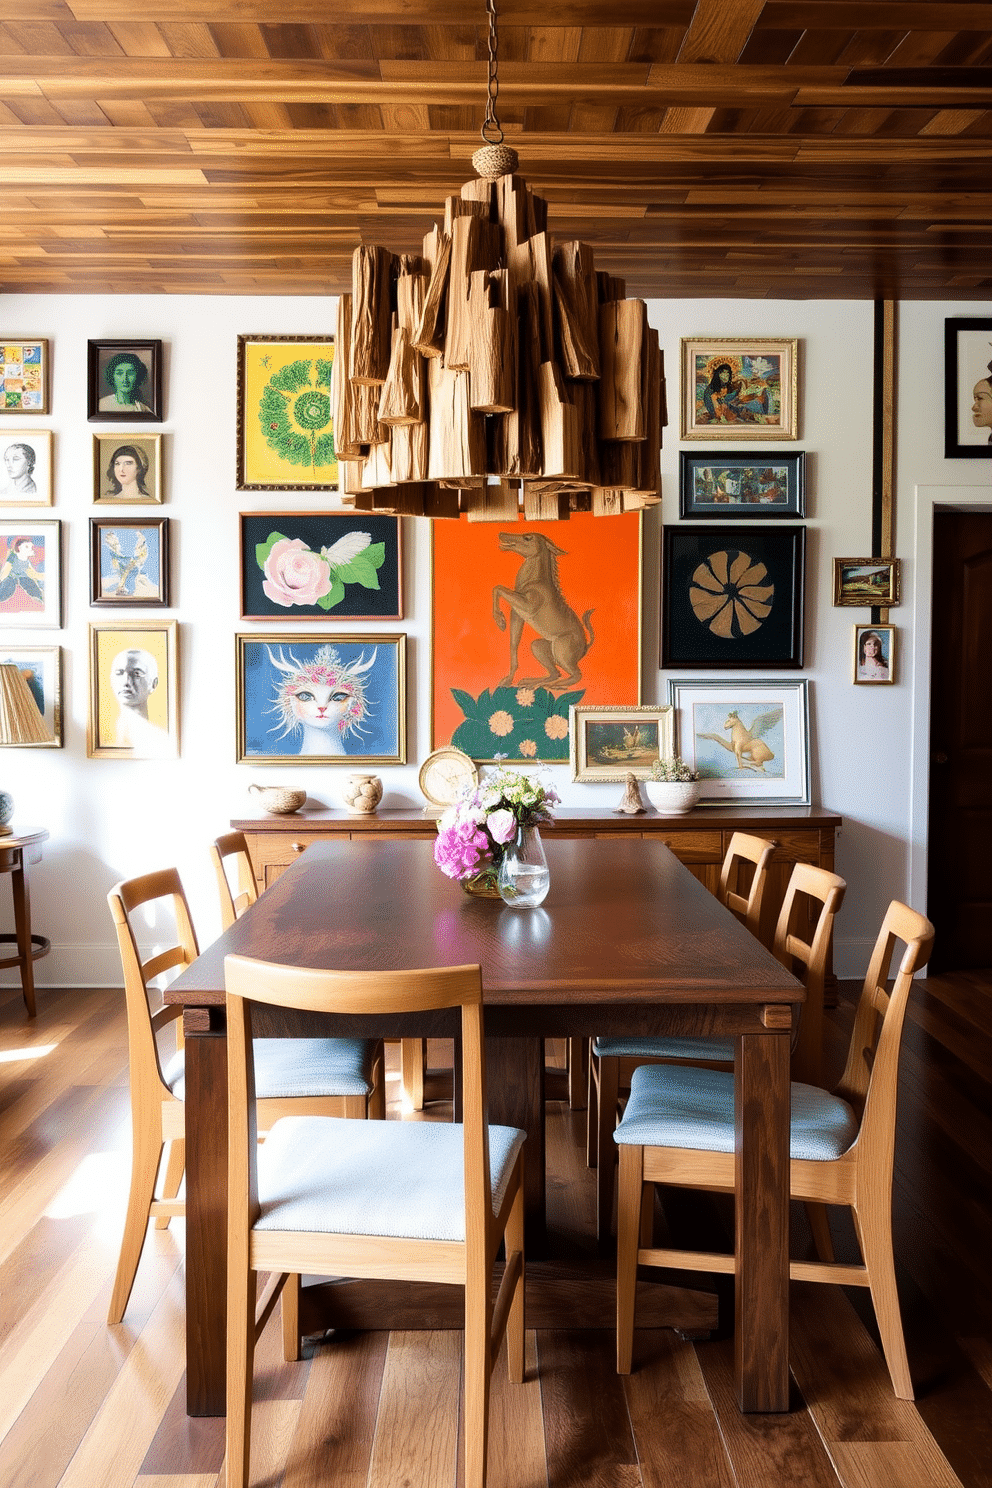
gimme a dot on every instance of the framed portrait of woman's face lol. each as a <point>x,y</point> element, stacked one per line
<point>30,574</point>
<point>25,467</point>
<point>326,699</point>
<point>968,389</point>
<point>125,381</point>
<point>874,654</point>
<point>127,469</point>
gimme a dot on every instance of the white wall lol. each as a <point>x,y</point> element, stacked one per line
<point>110,819</point>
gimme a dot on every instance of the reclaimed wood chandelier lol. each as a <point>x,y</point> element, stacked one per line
<point>498,373</point>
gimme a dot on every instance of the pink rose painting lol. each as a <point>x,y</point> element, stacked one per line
<point>307,565</point>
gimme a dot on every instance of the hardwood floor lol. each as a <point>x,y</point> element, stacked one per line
<point>87,1406</point>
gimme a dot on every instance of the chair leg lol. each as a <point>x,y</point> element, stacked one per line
<point>413,1058</point>
<point>819,1223</point>
<point>290,1299</point>
<point>609,1094</point>
<point>577,1058</point>
<point>592,1113</point>
<point>629,1202</point>
<point>241,1290</point>
<point>874,1226</point>
<point>175,1166</point>
<point>516,1321</point>
<point>376,1109</point>
<point>146,1156</point>
<point>478,1350</point>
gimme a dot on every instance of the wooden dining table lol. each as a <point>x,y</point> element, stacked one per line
<point>627,942</point>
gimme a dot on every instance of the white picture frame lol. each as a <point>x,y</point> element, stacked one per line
<point>25,467</point>
<point>771,767</point>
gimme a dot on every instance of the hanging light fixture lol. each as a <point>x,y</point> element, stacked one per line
<point>497,373</point>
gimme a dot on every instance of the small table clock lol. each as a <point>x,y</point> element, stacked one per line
<point>443,774</point>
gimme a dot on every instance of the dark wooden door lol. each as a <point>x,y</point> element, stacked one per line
<point>960,827</point>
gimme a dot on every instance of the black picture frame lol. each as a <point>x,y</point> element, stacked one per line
<point>967,362</point>
<point>715,609</point>
<point>741,486</point>
<point>145,406</point>
<point>144,579</point>
<point>369,587</point>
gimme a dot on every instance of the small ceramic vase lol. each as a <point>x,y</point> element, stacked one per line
<point>672,797</point>
<point>362,794</point>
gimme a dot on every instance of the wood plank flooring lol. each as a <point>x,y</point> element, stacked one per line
<point>87,1406</point>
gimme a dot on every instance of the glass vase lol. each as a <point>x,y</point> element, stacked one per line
<point>524,876</point>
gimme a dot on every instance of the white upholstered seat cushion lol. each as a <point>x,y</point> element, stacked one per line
<point>403,1179</point>
<point>679,1106</point>
<point>664,1048</point>
<point>298,1067</point>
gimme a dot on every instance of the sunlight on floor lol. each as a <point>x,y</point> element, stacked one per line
<point>11,1056</point>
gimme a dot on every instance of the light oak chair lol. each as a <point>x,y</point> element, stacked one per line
<point>810,891</point>
<point>341,1077</point>
<point>415,1201</point>
<point>678,1129</point>
<point>231,852</point>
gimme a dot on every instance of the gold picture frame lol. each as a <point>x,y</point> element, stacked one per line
<point>608,743</point>
<point>862,583</point>
<point>134,691</point>
<point>740,387</point>
<point>139,484</point>
<point>285,429</point>
<point>874,665</point>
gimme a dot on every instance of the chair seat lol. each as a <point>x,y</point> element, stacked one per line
<point>678,1106</point>
<point>664,1048</point>
<point>288,1068</point>
<point>401,1179</point>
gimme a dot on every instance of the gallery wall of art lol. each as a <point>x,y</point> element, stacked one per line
<point>111,815</point>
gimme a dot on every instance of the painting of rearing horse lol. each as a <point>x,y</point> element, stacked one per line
<point>536,600</point>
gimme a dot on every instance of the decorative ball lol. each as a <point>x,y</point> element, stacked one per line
<point>490,161</point>
<point>6,807</point>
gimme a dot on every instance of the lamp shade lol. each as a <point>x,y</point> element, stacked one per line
<point>20,720</point>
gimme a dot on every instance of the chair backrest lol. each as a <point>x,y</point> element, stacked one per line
<point>249,981</point>
<point>142,1023</point>
<point>808,887</point>
<point>742,849</point>
<point>233,903</point>
<point>870,1077</point>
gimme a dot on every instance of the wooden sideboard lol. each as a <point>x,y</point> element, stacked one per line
<point>801,835</point>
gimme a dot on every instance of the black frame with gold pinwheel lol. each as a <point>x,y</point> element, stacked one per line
<point>716,608</point>
<point>285,418</point>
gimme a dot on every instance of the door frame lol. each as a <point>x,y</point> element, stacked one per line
<point>929,501</point>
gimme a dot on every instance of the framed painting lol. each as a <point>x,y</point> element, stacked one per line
<point>529,619</point>
<point>30,574</point>
<point>317,565</point>
<point>125,381</point>
<point>867,581</point>
<point>25,467</point>
<point>129,561</point>
<point>127,470</point>
<point>23,376</point>
<point>134,691</point>
<point>285,426</point>
<point>739,388</point>
<point>749,741</point>
<point>732,596</point>
<point>741,487</point>
<point>612,743</point>
<point>321,699</point>
<point>968,389</point>
<point>874,654</point>
<point>41,668</point>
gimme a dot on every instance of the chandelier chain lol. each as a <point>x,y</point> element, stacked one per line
<point>492,131</point>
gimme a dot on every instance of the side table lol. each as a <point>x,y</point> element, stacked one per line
<point>16,852</point>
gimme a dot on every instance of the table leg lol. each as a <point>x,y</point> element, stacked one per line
<point>22,926</point>
<point>206,1223</point>
<point>761,1327</point>
<point>515,1091</point>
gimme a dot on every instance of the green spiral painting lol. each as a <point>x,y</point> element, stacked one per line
<point>294,413</point>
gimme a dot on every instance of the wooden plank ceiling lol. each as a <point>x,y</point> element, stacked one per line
<point>792,148</point>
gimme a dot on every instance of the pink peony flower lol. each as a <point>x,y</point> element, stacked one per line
<point>460,849</point>
<point>294,575</point>
<point>502,825</point>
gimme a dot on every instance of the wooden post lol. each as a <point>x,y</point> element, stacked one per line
<point>474,245</point>
<point>622,331</point>
<point>577,305</point>
<point>493,344</point>
<point>497,502</point>
<point>371,275</point>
